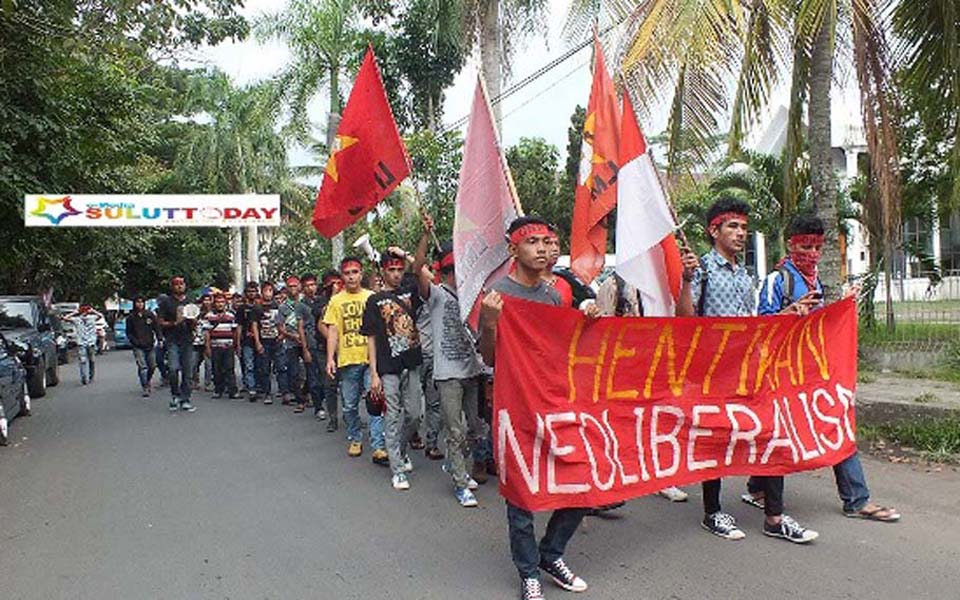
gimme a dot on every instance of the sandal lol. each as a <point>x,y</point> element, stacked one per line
<point>884,514</point>
<point>755,501</point>
<point>434,454</point>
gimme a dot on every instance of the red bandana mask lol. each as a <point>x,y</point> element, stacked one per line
<point>806,261</point>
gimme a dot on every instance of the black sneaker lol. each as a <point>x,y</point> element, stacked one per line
<point>530,589</point>
<point>252,397</point>
<point>723,525</point>
<point>563,576</point>
<point>789,530</point>
<point>332,425</point>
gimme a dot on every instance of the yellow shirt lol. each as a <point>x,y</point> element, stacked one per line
<point>345,312</point>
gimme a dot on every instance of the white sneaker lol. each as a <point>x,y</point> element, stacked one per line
<point>674,494</point>
<point>472,484</point>
<point>465,497</point>
<point>400,482</point>
<point>407,466</point>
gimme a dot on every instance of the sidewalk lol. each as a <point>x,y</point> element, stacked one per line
<point>889,397</point>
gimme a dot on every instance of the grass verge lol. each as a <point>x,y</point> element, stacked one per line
<point>937,438</point>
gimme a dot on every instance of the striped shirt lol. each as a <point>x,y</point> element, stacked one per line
<point>222,326</point>
<point>86,326</point>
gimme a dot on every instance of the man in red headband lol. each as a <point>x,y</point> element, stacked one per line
<point>455,370</point>
<point>529,245</point>
<point>552,279</point>
<point>795,287</point>
<point>291,315</point>
<point>390,324</point>
<point>348,358</point>
<point>722,287</point>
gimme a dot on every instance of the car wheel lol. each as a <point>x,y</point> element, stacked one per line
<point>53,374</point>
<point>38,382</point>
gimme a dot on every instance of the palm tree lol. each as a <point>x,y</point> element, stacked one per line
<point>321,35</point>
<point>688,45</point>
<point>237,152</point>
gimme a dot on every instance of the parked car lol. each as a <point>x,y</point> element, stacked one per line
<point>14,401</point>
<point>120,339</point>
<point>29,328</point>
<point>69,329</point>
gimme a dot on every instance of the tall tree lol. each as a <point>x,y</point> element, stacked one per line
<point>320,35</point>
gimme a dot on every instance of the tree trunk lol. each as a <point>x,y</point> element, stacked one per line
<point>490,49</point>
<point>333,122</point>
<point>822,178</point>
<point>236,257</point>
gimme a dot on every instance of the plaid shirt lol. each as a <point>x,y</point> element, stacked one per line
<point>729,288</point>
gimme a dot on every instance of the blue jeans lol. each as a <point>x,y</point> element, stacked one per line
<point>354,383</point>
<point>851,483</point>
<point>248,358</point>
<point>267,364</point>
<point>527,554</point>
<point>180,357</point>
<point>146,365</point>
<point>85,354</point>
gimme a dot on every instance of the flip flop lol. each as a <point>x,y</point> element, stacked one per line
<point>883,514</point>
<point>753,501</point>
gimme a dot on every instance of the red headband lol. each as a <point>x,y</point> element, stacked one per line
<point>447,260</point>
<point>347,263</point>
<point>176,280</point>
<point>724,217</point>
<point>804,239</point>
<point>529,230</point>
<point>293,279</point>
<point>394,262</point>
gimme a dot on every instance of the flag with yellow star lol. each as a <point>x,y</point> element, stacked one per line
<point>367,160</point>
<point>596,193</point>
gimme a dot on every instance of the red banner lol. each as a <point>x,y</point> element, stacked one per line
<point>591,413</point>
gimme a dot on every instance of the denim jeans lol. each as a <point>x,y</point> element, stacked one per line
<point>267,364</point>
<point>851,483</point>
<point>291,379</point>
<point>180,358</point>
<point>314,371</point>
<point>248,359</point>
<point>85,353</point>
<point>432,420</point>
<point>224,376</point>
<point>403,413</point>
<point>161,357</point>
<point>527,554</point>
<point>146,365</point>
<point>354,383</point>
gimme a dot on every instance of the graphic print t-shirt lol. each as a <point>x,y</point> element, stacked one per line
<point>345,312</point>
<point>246,317</point>
<point>454,355</point>
<point>268,321</point>
<point>390,317</point>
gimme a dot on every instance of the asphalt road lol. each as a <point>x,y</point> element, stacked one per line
<point>107,495</point>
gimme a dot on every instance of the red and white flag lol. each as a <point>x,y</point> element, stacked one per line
<point>647,253</point>
<point>486,204</point>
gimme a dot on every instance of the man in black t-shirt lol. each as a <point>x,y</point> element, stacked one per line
<point>178,337</point>
<point>332,283</point>
<point>248,316</point>
<point>266,343</point>
<point>389,321</point>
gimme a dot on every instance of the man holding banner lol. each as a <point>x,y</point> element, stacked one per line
<point>723,288</point>
<point>529,241</point>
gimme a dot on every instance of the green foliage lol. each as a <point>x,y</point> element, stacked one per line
<point>436,161</point>
<point>939,437</point>
<point>535,167</point>
<point>294,249</point>
<point>85,108</point>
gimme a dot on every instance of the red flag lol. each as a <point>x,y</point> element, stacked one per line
<point>596,193</point>
<point>484,208</point>
<point>368,159</point>
<point>647,253</point>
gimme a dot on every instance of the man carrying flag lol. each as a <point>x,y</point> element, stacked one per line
<point>367,159</point>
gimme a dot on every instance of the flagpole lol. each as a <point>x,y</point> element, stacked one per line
<point>419,201</point>
<point>503,160</point>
